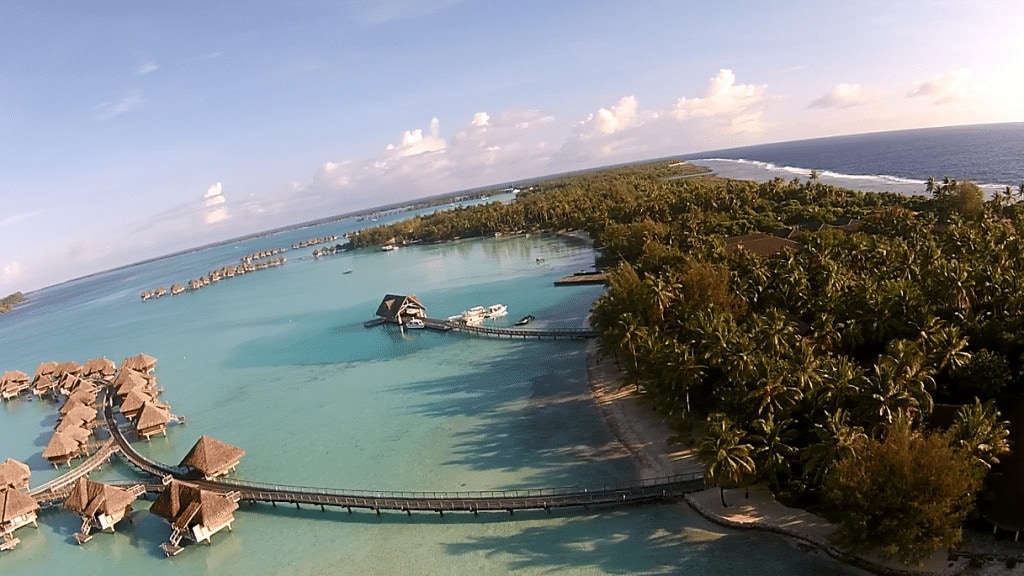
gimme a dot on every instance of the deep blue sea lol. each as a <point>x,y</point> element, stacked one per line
<point>992,155</point>
<point>278,363</point>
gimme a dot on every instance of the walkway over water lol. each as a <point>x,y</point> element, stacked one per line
<point>653,490</point>
<point>57,489</point>
<point>448,326</point>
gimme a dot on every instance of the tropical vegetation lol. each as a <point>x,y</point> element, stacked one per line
<point>8,302</point>
<point>823,368</point>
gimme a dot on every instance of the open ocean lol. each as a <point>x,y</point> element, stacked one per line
<point>991,155</point>
<point>278,363</point>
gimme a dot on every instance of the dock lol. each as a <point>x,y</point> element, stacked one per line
<point>665,489</point>
<point>584,279</point>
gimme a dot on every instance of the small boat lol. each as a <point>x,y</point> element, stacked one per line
<point>525,320</point>
<point>347,272</point>
<point>388,248</point>
<point>415,324</point>
<point>496,311</point>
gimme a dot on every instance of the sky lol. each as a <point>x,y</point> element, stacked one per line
<point>135,128</point>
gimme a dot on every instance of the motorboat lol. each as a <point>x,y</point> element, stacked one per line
<point>388,248</point>
<point>495,311</point>
<point>415,324</point>
<point>525,320</point>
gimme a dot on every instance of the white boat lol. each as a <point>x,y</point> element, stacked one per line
<point>388,248</point>
<point>415,324</point>
<point>496,311</point>
<point>474,312</point>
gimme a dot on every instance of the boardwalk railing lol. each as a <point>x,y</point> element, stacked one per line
<point>509,332</point>
<point>648,490</point>
<point>58,487</point>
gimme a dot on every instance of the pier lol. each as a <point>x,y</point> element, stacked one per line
<point>664,489</point>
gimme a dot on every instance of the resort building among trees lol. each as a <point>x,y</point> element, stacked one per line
<point>213,458</point>
<point>101,506</point>
<point>193,513</point>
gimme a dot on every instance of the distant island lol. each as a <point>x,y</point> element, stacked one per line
<point>11,301</point>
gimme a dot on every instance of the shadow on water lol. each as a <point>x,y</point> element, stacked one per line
<point>340,515</point>
<point>644,540</point>
<point>532,411</point>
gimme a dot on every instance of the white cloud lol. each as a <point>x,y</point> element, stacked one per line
<point>11,272</point>
<point>947,87</point>
<point>12,220</point>
<point>414,142</point>
<point>214,205</point>
<point>108,110</point>
<point>481,119</point>
<point>725,98</point>
<point>618,117</point>
<point>842,96</point>
<point>147,67</point>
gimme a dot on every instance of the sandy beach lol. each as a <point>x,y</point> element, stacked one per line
<point>646,436</point>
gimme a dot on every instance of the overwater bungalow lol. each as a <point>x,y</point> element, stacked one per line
<point>65,446</point>
<point>134,401</point>
<point>81,415</point>
<point>17,509</point>
<point>44,385</point>
<point>213,458</point>
<point>193,513</point>
<point>84,393</point>
<point>143,363</point>
<point>400,309</point>
<point>101,506</point>
<point>62,368</point>
<point>100,369</point>
<point>13,383</point>
<point>129,380</point>
<point>152,419</point>
<point>14,474</point>
<point>70,404</point>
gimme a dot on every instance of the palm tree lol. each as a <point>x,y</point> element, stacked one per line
<point>772,448</point>
<point>724,456</point>
<point>835,440</point>
<point>977,429</point>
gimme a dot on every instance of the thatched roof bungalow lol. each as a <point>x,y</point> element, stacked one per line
<point>66,445</point>
<point>213,458</point>
<point>140,363</point>
<point>153,419</point>
<point>45,370</point>
<point>81,412</point>
<point>101,506</point>
<point>17,509</point>
<point>63,368</point>
<point>14,474</point>
<point>193,513</point>
<point>134,401</point>
<point>12,383</point>
<point>129,380</point>
<point>101,368</point>
<point>399,309</point>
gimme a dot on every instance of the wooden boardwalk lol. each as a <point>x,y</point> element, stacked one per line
<point>647,491</point>
<point>57,489</point>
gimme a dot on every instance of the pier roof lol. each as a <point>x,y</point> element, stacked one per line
<point>212,457</point>
<point>14,474</point>
<point>394,306</point>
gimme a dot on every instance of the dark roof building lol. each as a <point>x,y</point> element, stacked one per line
<point>398,308</point>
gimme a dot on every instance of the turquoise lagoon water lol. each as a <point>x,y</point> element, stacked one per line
<point>278,363</point>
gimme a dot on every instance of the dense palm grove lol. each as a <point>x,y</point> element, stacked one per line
<point>816,370</point>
